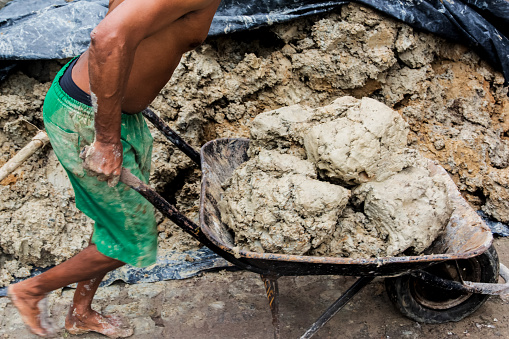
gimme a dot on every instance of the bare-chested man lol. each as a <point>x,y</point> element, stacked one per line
<point>95,100</point>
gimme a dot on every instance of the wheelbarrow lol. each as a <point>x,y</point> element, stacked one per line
<point>448,282</point>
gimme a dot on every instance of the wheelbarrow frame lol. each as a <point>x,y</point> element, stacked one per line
<point>218,159</point>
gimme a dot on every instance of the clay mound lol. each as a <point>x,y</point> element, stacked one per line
<point>275,204</point>
<point>293,195</point>
<point>349,148</point>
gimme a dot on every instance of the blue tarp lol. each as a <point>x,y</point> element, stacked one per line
<point>496,227</point>
<point>56,29</point>
<point>170,265</point>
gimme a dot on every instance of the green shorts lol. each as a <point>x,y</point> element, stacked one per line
<point>125,227</point>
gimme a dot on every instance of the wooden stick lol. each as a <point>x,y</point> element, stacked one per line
<point>37,142</point>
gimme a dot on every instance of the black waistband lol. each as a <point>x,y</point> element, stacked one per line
<point>69,86</point>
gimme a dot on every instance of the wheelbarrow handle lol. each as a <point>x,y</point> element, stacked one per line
<point>179,219</point>
<point>162,205</point>
<point>172,136</point>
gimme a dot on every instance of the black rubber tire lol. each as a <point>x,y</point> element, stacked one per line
<point>424,303</point>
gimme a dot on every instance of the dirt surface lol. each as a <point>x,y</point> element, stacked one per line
<point>233,305</point>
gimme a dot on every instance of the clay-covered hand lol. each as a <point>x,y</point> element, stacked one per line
<point>103,160</point>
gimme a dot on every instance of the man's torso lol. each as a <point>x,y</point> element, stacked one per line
<point>155,59</point>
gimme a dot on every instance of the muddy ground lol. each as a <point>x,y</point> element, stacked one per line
<point>233,305</point>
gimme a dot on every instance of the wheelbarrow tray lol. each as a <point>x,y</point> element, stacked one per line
<point>465,236</point>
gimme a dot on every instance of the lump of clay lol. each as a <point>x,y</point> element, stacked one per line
<point>354,237</point>
<point>403,213</point>
<point>350,141</point>
<point>410,208</point>
<point>292,195</point>
<point>283,129</point>
<point>274,203</point>
<point>349,148</point>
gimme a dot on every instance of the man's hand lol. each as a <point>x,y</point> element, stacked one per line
<point>103,160</point>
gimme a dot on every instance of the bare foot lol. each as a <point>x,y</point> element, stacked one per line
<point>111,326</point>
<point>33,310</point>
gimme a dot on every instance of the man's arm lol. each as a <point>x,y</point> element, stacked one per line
<point>111,53</point>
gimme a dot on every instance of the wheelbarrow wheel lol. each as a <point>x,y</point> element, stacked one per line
<point>423,302</point>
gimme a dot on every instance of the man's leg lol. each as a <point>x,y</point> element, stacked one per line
<point>28,295</point>
<point>82,318</point>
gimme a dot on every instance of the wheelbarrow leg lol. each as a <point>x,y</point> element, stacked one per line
<point>338,304</point>
<point>272,289</point>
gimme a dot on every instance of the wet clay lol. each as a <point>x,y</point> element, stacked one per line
<point>275,204</point>
<point>334,181</point>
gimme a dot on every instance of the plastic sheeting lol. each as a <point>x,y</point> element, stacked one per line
<point>170,265</point>
<point>56,29</point>
<point>48,29</point>
<point>496,227</point>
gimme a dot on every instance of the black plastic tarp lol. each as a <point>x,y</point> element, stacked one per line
<point>170,265</point>
<point>56,29</point>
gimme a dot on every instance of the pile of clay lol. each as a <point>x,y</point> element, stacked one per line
<point>338,180</point>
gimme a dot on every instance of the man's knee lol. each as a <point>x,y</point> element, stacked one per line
<point>194,41</point>
<point>195,31</point>
<point>196,25</point>
<point>98,259</point>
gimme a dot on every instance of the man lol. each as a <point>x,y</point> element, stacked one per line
<point>95,100</point>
